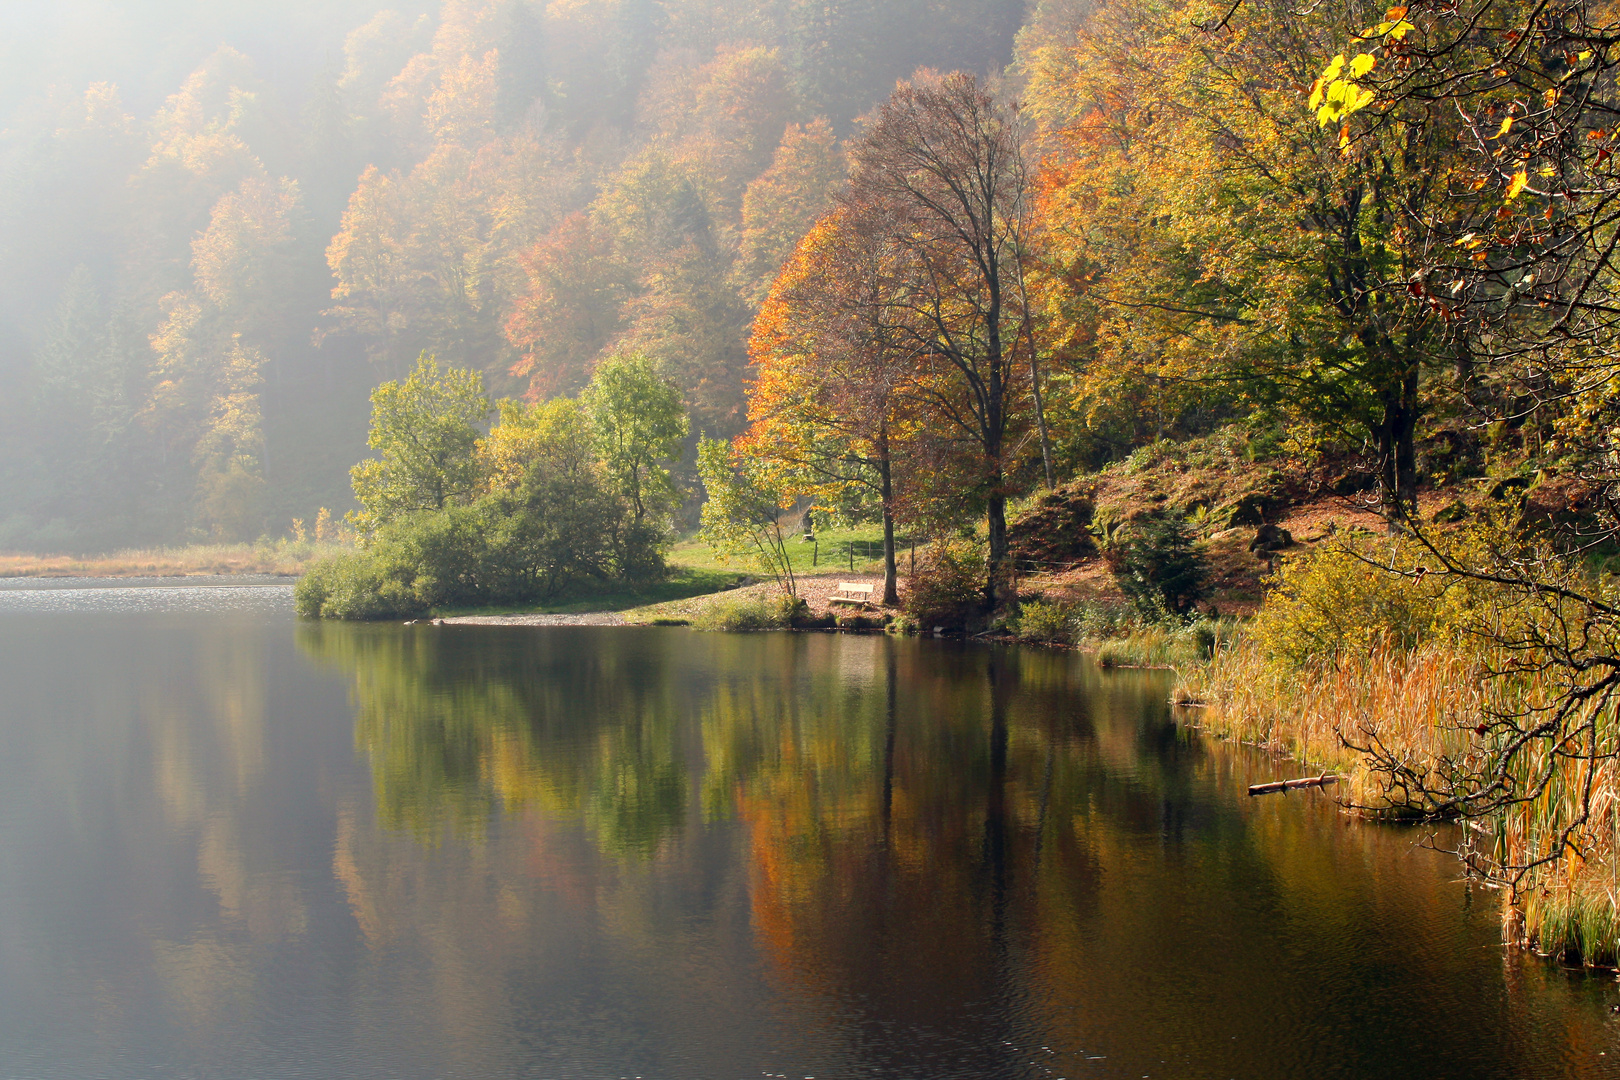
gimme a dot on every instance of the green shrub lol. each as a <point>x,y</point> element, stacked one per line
<point>1170,643</point>
<point>948,588</point>
<point>359,585</point>
<point>738,615</point>
<point>789,611</point>
<point>1042,621</point>
<point>1112,654</point>
<point>1096,621</point>
<point>560,528</point>
<point>1346,598</point>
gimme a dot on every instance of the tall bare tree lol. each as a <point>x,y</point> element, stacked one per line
<point>939,174</point>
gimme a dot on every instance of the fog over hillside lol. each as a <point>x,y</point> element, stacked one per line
<point>223,223</point>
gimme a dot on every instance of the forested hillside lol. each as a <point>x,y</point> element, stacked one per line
<point>222,225</point>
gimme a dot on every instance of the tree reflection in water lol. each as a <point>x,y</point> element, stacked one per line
<point>970,842</point>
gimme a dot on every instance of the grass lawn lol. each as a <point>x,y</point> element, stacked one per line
<point>697,572</point>
<point>831,552</point>
<point>684,583</point>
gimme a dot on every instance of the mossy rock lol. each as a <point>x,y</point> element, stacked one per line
<point>1454,511</point>
<point>1353,483</point>
<point>1252,508</point>
<point>1509,487</point>
<point>1269,538</point>
<point>1056,528</point>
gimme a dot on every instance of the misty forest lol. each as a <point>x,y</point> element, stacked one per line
<point>211,259</point>
<point>1273,344</point>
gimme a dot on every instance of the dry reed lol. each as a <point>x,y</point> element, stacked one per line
<point>280,557</point>
<point>1427,708</point>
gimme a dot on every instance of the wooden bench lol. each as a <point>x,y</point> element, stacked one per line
<point>852,592</point>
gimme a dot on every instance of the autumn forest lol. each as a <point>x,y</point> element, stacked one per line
<point>203,281</point>
<point>1288,335</point>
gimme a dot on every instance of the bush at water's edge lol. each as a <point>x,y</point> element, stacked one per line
<point>1349,667</point>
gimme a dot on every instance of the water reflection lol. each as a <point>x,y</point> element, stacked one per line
<point>234,846</point>
<point>953,857</point>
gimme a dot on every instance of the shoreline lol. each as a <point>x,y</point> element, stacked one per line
<point>581,618</point>
<point>668,613</point>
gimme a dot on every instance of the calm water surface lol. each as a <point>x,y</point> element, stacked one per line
<point>232,845</point>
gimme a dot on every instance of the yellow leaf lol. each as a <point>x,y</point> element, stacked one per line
<point>1520,179</point>
<point>1507,125</point>
<point>1344,139</point>
<point>1362,64</point>
<point>1316,95</point>
<point>1399,30</point>
<point>1358,99</point>
<point>1331,72</point>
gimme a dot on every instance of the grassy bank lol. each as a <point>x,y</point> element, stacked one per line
<point>1426,695</point>
<point>268,557</point>
<point>854,550</point>
<point>1120,636</point>
<point>684,584</point>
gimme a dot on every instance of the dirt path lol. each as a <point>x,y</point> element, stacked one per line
<point>583,618</point>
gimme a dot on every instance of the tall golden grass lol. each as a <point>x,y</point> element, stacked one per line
<point>1406,714</point>
<point>276,557</point>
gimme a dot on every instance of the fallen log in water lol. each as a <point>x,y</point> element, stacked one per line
<point>1283,785</point>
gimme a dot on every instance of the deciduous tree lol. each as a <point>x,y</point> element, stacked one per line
<point>426,431</point>
<point>639,424</point>
<point>939,175</point>
<point>828,405</point>
<point>742,514</point>
<point>784,201</point>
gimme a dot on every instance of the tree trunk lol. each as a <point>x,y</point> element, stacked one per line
<point>1406,478</point>
<point>998,589</point>
<point>1397,455</point>
<point>891,590</point>
<point>1040,417</point>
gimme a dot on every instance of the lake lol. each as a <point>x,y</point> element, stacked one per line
<point>237,845</point>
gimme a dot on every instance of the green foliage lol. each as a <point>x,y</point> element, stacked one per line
<point>1345,599</point>
<point>948,588</point>
<point>1171,643</point>
<point>360,585</point>
<point>743,514</point>
<point>552,523</point>
<point>1125,636</point>
<point>557,534</point>
<point>1041,621</point>
<point>425,430</point>
<point>639,425</point>
<point>1161,569</point>
<point>739,615</point>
